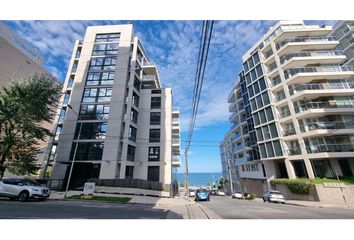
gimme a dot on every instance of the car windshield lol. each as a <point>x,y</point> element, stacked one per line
<point>30,182</point>
<point>202,190</point>
<point>275,192</point>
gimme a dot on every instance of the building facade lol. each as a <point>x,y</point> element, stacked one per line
<point>114,99</point>
<point>299,123</point>
<point>18,60</point>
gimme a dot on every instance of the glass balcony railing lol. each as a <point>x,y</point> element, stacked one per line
<point>280,96</point>
<point>233,115</point>
<point>294,151</point>
<point>289,56</point>
<point>236,136</point>
<point>289,131</point>
<point>148,78</point>
<point>330,148</point>
<point>291,72</point>
<point>320,86</point>
<point>236,124</point>
<point>305,39</point>
<point>284,113</point>
<point>275,81</point>
<point>326,125</point>
<point>238,148</point>
<point>317,105</point>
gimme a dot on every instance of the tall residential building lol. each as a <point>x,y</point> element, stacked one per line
<point>129,129</point>
<point>293,108</point>
<point>18,60</point>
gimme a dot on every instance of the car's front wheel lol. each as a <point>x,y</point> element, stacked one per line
<point>264,200</point>
<point>23,196</point>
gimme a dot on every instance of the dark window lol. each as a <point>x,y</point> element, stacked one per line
<point>259,134</point>
<point>259,71</point>
<point>262,150</point>
<point>269,113</point>
<point>100,78</point>
<point>270,150</point>
<point>256,58</point>
<point>154,153</point>
<point>262,84</point>
<point>245,66</point>
<point>262,117</point>
<point>154,135</point>
<point>265,97</point>
<point>71,81</point>
<point>253,75</point>
<point>107,37</point>
<point>137,83</point>
<point>129,172</point>
<point>130,153</point>
<point>91,130</point>
<point>154,173</point>
<point>250,62</point>
<point>277,148</point>
<point>94,112</point>
<point>250,91</point>
<point>259,101</point>
<point>256,88</point>
<point>273,130</point>
<point>132,133</point>
<point>97,95</point>
<point>156,102</point>
<point>87,151</point>
<point>155,118</point>
<point>156,91</point>
<point>134,116</point>
<point>135,99</point>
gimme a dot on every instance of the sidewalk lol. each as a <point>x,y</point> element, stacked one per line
<point>320,204</point>
<point>177,205</point>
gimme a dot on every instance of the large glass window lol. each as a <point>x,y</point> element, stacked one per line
<point>154,173</point>
<point>94,112</point>
<point>270,150</point>
<point>134,116</point>
<point>132,133</point>
<point>265,97</point>
<point>97,95</point>
<point>87,151</point>
<point>277,148</point>
<point>154,135</point>
<point>130,153</point>
<point>155,118</point>
<point>154,153</point>
<point>135,99</point>
<point>91,130</point>
<point>155,102</point>
<point>269,113</point>
<point>256,88</point>
<point>259,134</point>
<point>262,84</point>
<point>273,130</point>
<point>107,37</point>
<point>103,63</point>
<point>129,172</point>
<point>105,49</point>
<point>266,132</point>
<point>262,117</point>
<point>100,78</point>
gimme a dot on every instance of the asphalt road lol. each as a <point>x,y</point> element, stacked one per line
<point>228,208</point>
<point>53,209</point>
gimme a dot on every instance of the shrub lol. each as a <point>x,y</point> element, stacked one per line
<point>296,186</point>
<point>253,196</point>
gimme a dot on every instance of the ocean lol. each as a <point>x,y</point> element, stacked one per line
<point>199,179</point>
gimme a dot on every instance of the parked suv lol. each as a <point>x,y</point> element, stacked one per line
<point>23,189</point>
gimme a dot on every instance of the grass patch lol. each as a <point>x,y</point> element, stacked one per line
<point>348,181</point>
<point>102,199</point>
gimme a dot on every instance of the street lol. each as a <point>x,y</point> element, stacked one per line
<point>53,209</point>
<point>228,208</point>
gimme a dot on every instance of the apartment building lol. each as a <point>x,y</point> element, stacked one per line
<point>18,60</point>
<point>299,121</point>
<point>116,120</point>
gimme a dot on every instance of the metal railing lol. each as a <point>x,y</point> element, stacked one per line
<point>317,105</point>
<point>330,148</point>
<point>289,56</point>
<point>305,39</point>
<point>326,125</point>
<point>284,113</point>
<point>320,86</point>
<point>291,72</point>
<point>280,96</point>
<point>294,151</point>
<point>148,78</point>
<point>275,81</point>
<point>236,136</point>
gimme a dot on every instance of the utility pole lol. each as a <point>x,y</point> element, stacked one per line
<point>227,155</point>
<point>186,174</point>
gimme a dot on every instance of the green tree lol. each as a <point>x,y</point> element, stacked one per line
<point>24,106</point>
<point>222,183</point>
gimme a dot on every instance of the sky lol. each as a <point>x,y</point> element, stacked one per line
<point>173,46</point>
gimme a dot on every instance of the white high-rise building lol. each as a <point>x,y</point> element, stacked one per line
<point>129,129</point>
<point>293,108</point>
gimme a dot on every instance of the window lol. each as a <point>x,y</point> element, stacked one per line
<point>253,75</point>
<point>277,148</point>
<point>134,116</point>
<point>256,88</point>
<point>130,153</point>
<point>266,132</point>
<point>256,119</point>
<point>253,104</point>
<point>259,101</point>
<point>265,97</point>
<point>156,102</point>
<point>259,134</point>
<point>98,78</point>
<point>105,49</point>
<point>154,135</point>
<point>66,98</point>
<point>273,130</point>
<point>57,133</point>
<point>154,173</point>
<point>250,91</point>
<point>129,172</point>
<point>250,62</point>
<point>107,37</point>
<point>262,84</point>
<point>262,150</point>
<point>256,58</point>
<point>156,91</point>
<point>87,151</point>
<point>269,113</point>
<point>132,133</point>
<point>154,154</point>
<point>135,99</point>
<point>91,130</point>
<point>71,81</point>
<point>136,83</point>
<point>103,63</point>
<point>155,118</point>
<point>262,117</point>
<point>245,66</point>
<point>94,112</point>
<point>270,149</point>
<point>97,95</point>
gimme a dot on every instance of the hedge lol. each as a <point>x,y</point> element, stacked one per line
<point>296,186</point>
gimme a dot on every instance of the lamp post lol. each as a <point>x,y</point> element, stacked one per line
<point>73,160</point>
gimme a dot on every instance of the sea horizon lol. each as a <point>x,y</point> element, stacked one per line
<point>200,178</point>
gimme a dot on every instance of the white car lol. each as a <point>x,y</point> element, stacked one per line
<point>191,192</point>
<point>273,196</point>
<point>23,189</point>
<point>220,193</point>
<point>237,195</point>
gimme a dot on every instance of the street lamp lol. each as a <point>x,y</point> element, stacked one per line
<point>73,160</point>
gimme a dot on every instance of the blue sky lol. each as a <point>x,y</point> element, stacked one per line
<point>173,45</point>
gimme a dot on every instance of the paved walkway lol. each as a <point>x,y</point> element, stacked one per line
<point>179,204</point>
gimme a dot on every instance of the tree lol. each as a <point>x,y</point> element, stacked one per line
<point>222,183</point>
<point>24,106</point>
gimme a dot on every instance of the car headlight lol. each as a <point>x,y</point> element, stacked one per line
<point>36,190</point>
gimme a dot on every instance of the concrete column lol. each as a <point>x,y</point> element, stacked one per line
<point>309,169</point>
<point>289,169</point>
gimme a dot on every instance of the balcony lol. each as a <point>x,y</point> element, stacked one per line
<point>176,160</point>
<point>275,81</point>
<point>299,59</point>
<point>284,113</point>
<point>236,124</point>
<point>289,131</point>
<point>326,125</point>
<point>319,105</point>
<point>294,151</point>
<point>231,98</point>
<point>236,136</point>
<point>238,148</point>
<point>307,74</point>
<point>232,107</point>
<point>321,148</point>
<point>320,86</point>
<point>151,79</point>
